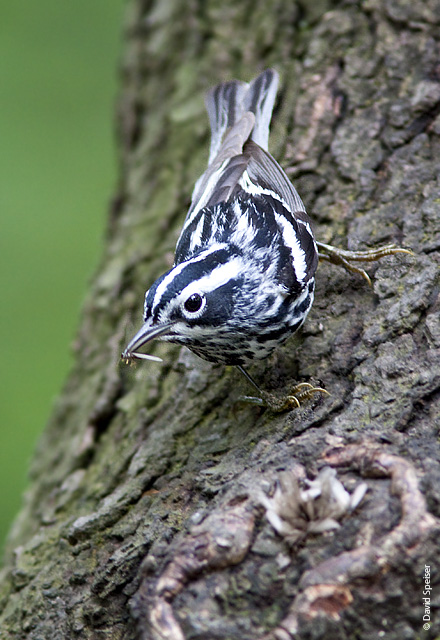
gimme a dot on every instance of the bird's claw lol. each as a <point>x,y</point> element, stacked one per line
<point>298,395</point>
<point>345,258</point>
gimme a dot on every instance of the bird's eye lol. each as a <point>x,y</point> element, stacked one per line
<point>193,303</point>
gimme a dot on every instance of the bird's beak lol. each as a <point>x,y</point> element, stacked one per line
<point>144,335</point>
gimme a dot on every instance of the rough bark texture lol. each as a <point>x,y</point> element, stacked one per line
<point>142,519</point>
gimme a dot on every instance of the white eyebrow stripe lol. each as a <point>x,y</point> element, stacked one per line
<point>215,279</point>
<point>179,268</point>
<point>166,281</point>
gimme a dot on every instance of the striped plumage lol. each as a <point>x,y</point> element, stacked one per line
<point>243,277</point>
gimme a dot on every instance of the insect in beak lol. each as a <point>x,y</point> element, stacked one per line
<point>144,335</point>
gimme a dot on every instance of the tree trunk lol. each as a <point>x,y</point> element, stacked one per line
<point>144,514</point>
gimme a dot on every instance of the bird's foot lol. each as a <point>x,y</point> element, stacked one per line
<point>345,258</point>
<point>297,396</point>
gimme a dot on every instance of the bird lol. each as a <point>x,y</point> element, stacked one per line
<point>243,277</point>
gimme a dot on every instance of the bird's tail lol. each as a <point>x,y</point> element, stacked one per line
<point>228,102</point>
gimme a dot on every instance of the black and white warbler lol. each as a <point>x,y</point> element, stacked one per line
<point>244,272</point>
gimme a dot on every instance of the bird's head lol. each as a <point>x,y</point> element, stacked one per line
<point>196,299</point>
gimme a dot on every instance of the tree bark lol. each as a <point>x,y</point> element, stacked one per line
<point>144,516</point>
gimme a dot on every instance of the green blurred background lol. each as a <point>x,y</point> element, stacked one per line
<point>58,82</point>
